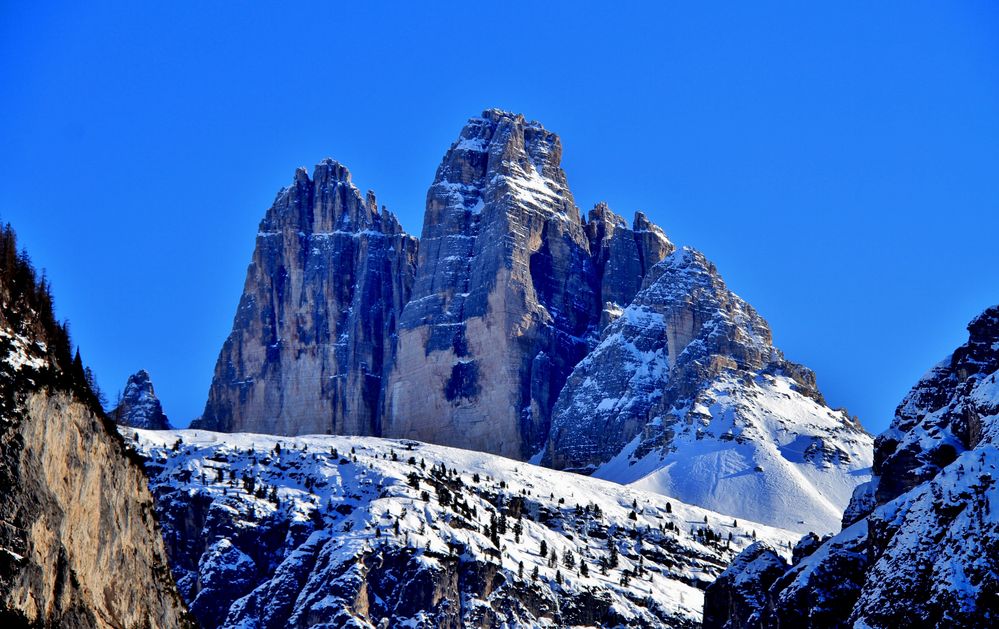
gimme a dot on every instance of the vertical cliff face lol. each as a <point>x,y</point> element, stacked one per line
<point>686,394</point>
<point>313,335</point>
<point>139,407</point>
<point>508,291</point>
<point>920,543</point>
<point>79,544</point>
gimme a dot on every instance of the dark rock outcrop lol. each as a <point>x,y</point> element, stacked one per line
<point>139,407</point>
<point>511,289</point>
<point>737,598</point>
<point>920,546</point>
<point>79,542</point>
<point>314,333</point>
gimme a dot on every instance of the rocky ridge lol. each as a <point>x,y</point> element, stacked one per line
<point>920,541</point>
<point>139,407</point>
<point>686,395</point>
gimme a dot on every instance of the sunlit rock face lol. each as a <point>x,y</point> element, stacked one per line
<point>314,333</point>
<point>510,291</point>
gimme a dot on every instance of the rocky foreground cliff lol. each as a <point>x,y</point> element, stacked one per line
<point>326,531</point>
<point>920,543</point>
<point>79,542</point>
<point>686,395</point>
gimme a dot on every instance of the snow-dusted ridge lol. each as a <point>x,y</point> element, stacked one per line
<point>312,541</point>
<point>686,395</point>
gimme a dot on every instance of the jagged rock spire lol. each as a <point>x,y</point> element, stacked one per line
<point>139,407</point>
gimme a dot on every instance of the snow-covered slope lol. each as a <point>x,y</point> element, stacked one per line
<point>686,395</point>
<point>920,547</point>
<point>326,531</point>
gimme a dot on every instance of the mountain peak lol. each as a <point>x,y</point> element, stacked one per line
<point>687,379</point>
<point>139,407</point>
<point>328,169</point>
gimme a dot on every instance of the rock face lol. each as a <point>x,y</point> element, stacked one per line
<point>332,531</point>
<point>511,288</point>
<point>314,333</point>
<point>920,545</point>
<point>139,407</point>
<point>79,542</point>
<point>686,395</point>
<point>737,598</point>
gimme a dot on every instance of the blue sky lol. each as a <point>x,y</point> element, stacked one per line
<point>840,164</point>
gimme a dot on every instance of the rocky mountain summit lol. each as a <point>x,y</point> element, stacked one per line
<point>139,407</point>
<point>314,334</point>
<point>344,329</point>
<point>511,288</point>
<point>687,395</point>
<point>331,531</point>
<point>79,542</point>
<point>920,543</point>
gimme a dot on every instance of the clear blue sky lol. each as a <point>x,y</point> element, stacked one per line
<point>839,164</point>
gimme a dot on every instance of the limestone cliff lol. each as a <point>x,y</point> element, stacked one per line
<point>510,291</point>
<point>79,542</point>
<point>314,331</point>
